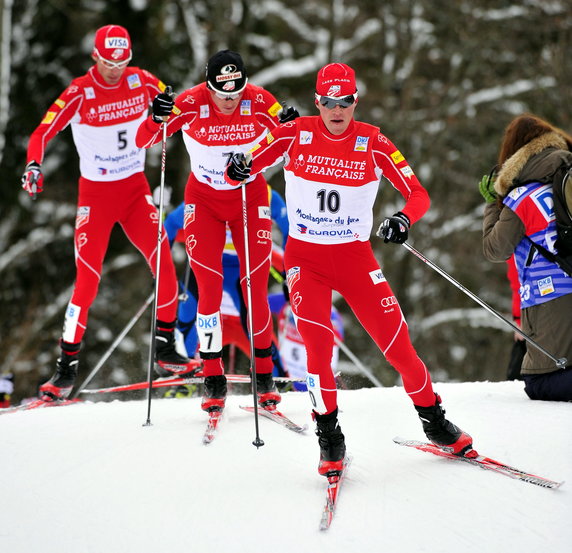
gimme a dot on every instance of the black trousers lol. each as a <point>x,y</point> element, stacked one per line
<point>553,386</point>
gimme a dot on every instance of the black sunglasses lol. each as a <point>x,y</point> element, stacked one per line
<point>330,103</point>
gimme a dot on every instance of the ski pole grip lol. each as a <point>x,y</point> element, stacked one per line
<point>168,92</point>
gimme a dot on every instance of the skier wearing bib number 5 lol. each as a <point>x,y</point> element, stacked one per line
<point>332,168</point>
<point>221,116</point>
<point>104,108</point>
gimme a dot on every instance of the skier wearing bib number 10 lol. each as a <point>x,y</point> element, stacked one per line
<point>332,168</point>
<point>104,108</point>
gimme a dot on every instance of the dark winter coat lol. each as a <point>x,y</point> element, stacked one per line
<point>549,323</point>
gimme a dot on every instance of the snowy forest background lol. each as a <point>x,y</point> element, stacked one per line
<point>441,79</point>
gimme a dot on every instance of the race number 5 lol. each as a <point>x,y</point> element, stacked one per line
<point>121,140</point>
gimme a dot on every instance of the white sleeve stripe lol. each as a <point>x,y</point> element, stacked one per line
<point>269,117</point>
<point>277,160</point>
<point>153,87</point>
<point>69,104</point>
<point>398,172</point>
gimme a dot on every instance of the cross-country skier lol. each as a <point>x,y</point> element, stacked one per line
<point>332,167</point>
<point>104,108</point>
<point>218,118</point>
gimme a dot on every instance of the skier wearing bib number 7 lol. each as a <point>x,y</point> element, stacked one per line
<point>221,116</point>
<point>104,108</point>
<point>332,168</point>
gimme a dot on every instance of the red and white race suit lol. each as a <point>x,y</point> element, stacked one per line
<point>331,185</point>
<point>112,188</point>
<point>211,204</point>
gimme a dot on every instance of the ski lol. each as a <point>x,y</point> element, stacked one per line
<point>335,482</point>
<point>277,416</point>
<point>212,425</point>
<point>38,404</point>
<point>474,458</point>
<point>167,381</point>
<point>163,382</point>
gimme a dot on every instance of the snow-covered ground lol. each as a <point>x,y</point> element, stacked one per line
<point>91,478</point>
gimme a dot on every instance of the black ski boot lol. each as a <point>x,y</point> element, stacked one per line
<point>169,361</point>
<point>61,384</point>
<point>266,391</point>
<point>214,394</point>
<point>442,432</point>
<point>332,443</point>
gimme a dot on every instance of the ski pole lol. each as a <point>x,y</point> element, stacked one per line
<point>184,296</point>
<point>168,90</point>
<point>257,441</point>
<point>115,343</point>
<point>357,362</point>
<point>560,363</point>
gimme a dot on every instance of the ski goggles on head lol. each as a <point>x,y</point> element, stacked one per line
<point>227,95</point>
<point>113,64</point>
<point>330,102</point>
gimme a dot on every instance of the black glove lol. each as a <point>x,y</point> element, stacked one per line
<point>163,105</point>
<point>288,113</point>
<point>395,228</point>
<point>238,169</point>
<point>32,179</point>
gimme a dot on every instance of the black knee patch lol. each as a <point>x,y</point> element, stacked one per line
<point>210,354</point>
<point>263,352</point>
<point>162,325</point>
<point>70,349</point>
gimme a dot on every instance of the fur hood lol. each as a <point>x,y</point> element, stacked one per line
<point>515,171</point>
